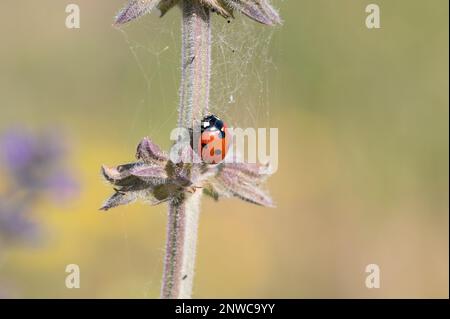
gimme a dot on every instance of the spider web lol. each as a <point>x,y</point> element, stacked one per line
<point>241,65</point>
<point>240,73</point>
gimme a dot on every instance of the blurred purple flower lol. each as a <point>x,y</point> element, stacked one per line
<point>62,186</point>
<point>15,225</point>
<point>17,150</point>
<point>37,162</point>
<point>36,166</point>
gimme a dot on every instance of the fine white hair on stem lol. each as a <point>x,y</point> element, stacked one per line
<point>196,63</point>
<point>181,248</point>
<point>194,99</point>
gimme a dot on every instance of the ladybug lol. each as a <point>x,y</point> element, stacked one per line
<point>214,140</point>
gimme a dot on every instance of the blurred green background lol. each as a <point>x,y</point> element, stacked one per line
<point>363,148</point>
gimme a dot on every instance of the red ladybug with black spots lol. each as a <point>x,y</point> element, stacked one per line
<point>214,140</point>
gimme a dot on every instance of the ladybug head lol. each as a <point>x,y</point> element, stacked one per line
<point>211,122</point>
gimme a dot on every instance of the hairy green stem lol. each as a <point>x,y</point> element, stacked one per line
<point>194,99</point>
<point>196,63</point>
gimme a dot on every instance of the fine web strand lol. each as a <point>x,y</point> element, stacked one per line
<point>240,72</point>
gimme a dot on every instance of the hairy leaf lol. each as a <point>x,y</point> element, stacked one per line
<point>258,10</point>
<point>135,9</point>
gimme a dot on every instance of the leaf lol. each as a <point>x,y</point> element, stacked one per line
<point>135,9</point>
<point>156,174</point>
<point>118,199</point>
<point>121,176</point>
<point>254,170</point>
<point>149,151</point>
<point>258,10</point>
<point>254,195</point>
<point>249,193</point>
<point>113,175</point>
<point>246,188</point>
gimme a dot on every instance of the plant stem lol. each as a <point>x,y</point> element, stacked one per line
<point>194,99</point>
<point>196,63</point>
